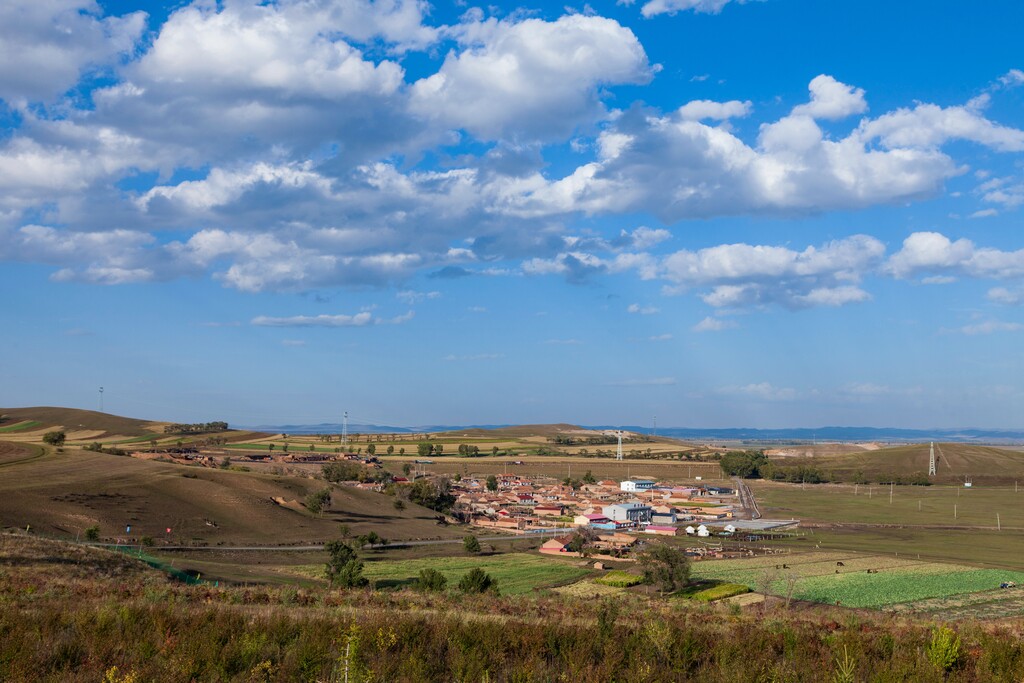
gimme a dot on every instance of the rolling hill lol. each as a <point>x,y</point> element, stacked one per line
<point>74,419</point>
<point>954,463</point>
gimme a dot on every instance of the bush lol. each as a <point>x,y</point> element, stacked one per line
<point>92,533</point>
<point>470,544</point>
<point>431,580</point>
<point>477,581</point>
<point>944,649</point>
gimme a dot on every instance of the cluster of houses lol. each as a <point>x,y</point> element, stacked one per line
<point>526,505</point>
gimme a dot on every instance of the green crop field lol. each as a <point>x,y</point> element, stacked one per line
<point>20,426</point>
<point>516,573</point>
<point>819,577</point>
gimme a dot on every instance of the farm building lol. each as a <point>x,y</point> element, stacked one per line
<point>661,530</point>
<point>635,485</point>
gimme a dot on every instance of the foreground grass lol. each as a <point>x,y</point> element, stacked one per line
<point>71,614</point>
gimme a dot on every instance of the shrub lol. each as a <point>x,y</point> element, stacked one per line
<point>477,581</point>
<point>92,533</point>
<point>944,649</point>
<point>470,544</point>
<point>431,580</point>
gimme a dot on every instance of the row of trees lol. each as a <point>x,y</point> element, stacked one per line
<point>196,428</point>
<point>755,465</point>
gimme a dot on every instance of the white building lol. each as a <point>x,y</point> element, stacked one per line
<point>635,485</point>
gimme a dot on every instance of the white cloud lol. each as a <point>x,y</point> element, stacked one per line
<point>831,99</point>
<point>1012,78</point>
<point>341,320</point>
<point>412,297</point>
<point>530,78</point>
<point>744,275</point>
<point>655,7</point>
<point>710,324</point>
<point>1007,297</point>
<point>717,111</point>
<point>932,252</point>
<point>642,310</point>
<point>990,327</point>
<point>682,169</point>
<point>47,45</point>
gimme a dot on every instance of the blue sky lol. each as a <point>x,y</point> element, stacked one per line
<point>767,213</point>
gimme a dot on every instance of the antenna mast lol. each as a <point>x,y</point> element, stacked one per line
<point>101,399</point>
<point>618,450</point>
<point>344,430</point>
<point>931,461</point>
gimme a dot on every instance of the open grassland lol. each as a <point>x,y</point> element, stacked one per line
<point>839,578</point>
<point>934,506</point>
<point>62,494</point>
<point>986,465</point>
<point>71,615</point>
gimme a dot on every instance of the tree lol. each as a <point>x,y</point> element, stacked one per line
<point>343,566</point>
<point>477,581</point>
<point>494,450</point>
<point>271,448</point>
<point>316,502</point>
<point>431,580</point>
<point>470,544</point>
<point>371,449</point>
<point>92,533</point>
<point>439,449</point>
<point>406,469</point>
<point>55,438</point>
<point>589,478</point>
<point>391,449</point>
<point>666,566</point>
<point>492,482</point>
<point>399,504</point>
<point>424,449</point>
<point>401,451</point>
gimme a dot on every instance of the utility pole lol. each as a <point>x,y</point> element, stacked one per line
<point>931,460</point>
<point>101,399</point>
<point>344,430</point>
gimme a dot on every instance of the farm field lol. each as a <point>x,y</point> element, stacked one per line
<point>516,573</point>
<point>934,506</point>
<point>983,605</point>
<point>818,577</point>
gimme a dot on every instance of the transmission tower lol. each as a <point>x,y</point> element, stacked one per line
<point>618,450</point>
<point>344,430</point>
<point>931,460</point>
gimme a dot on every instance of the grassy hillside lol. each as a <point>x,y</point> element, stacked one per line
<point>73,419</point>
<point>64,493</point>
<point>954,461</point>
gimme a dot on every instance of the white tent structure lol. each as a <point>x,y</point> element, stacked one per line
<point>690,530</point>
<point>702,531</point>
<point>730,529</point>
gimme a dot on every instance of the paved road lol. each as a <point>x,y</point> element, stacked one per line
<point>747,499</point>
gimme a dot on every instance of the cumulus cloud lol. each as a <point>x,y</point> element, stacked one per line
<point>831,99</point>
<point>1005,296</point>
<point>680,168</point>
<point>716,111</point>
<point>46,46</point>
<point>933,252</point>
<point>530,78</point>
<point>655,7</point>
<point>744,275</point>
<point>710,324</point>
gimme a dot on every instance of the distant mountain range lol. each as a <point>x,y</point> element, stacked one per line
<point>885,434</point>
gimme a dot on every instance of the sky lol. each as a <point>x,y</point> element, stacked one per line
<point>708,213</point>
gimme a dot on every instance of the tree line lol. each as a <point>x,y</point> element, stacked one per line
<point>195,427</point>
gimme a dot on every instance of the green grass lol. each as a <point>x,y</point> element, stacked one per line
<point>19,426</point>
<point>516,574</point>
<point>620,579</point>
<point>719,592</point>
